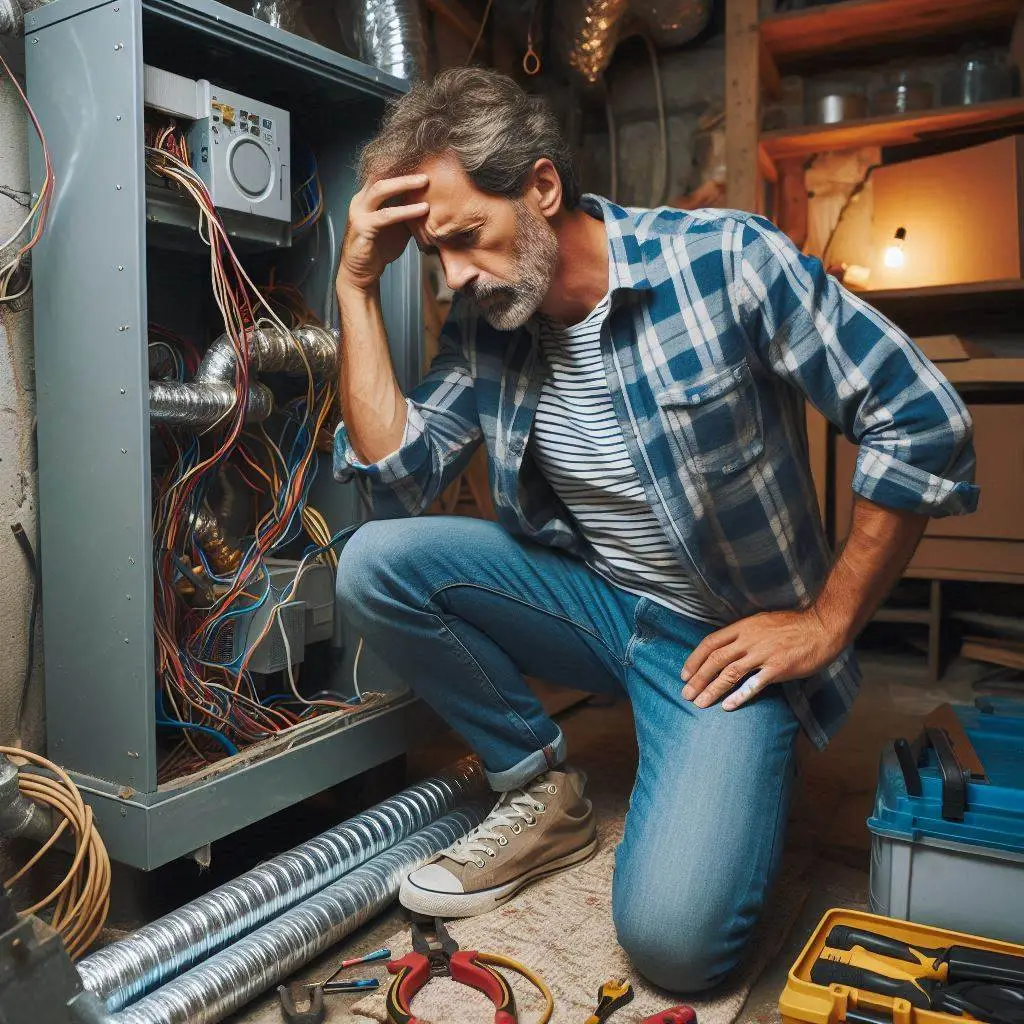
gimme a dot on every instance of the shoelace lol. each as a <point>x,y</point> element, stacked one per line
<point>518,805</point>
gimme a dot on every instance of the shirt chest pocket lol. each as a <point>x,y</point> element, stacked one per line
<point>715,420</point>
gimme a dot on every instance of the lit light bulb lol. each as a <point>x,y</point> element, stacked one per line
<point>894,257</point>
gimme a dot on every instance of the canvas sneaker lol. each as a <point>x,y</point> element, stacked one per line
<point>530,833</point>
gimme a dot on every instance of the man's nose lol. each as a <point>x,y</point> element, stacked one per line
<point>458,271</point>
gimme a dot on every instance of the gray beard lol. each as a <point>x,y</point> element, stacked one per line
<point>507,307</point>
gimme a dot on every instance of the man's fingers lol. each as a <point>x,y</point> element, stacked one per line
<point>712,665</point>
<point>725,682</point>
<point>749,689</point>
<point>711,643</point>
<point>387,188</point>
<point>397,214</point>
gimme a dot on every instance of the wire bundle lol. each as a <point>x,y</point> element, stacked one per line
<point>12,285</point>
<point>309,198</point>
<point>79,903</point>
<point>206,690</point>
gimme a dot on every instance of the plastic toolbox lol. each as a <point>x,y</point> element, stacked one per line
<point>805,1002</point>
<point>947,828</point>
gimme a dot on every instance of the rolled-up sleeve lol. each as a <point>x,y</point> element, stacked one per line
<point>442,431</point>
<point>864,374</point>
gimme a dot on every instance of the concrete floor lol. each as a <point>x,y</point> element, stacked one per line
<point>828,817</point>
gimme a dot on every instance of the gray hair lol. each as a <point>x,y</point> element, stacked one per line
<point>496,130</point>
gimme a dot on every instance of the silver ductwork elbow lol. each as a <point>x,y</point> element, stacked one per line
<point>19,816</point>
<point>385,33</point>
<point>211,396</point>
<point>123,971</point>
<point>272,351</point>
<point>587,31</point>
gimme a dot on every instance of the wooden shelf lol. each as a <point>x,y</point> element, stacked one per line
<point>898,130</point>
<point>944,291</point>
<point>853,25</point>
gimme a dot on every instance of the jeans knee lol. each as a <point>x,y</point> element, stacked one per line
<point>684,955</point>
<point>373,556</point>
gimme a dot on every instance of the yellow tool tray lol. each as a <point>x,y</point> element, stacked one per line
<point>804,1002</point>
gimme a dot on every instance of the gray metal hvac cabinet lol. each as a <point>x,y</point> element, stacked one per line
<point>98,279</point>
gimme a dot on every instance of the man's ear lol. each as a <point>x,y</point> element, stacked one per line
<point>546,187</point>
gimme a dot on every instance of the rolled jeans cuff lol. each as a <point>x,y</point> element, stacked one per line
<point>530,767</point>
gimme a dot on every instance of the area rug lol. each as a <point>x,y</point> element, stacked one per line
<point>562,927</point>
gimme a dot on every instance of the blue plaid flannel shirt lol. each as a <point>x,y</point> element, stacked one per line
<point>718,329</point>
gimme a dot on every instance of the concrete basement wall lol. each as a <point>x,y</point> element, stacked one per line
<point>18,494</point>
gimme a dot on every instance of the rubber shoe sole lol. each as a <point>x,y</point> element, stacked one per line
<point>432,903</point>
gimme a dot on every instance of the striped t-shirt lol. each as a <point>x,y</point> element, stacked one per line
<point>579,447</point>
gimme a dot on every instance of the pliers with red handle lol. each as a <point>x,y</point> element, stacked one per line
<point>437,955</point>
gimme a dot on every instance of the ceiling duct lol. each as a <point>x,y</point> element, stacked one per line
<point>587,31</point>
<point>385,33</point>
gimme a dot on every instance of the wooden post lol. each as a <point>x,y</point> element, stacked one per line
<point>742,116</point>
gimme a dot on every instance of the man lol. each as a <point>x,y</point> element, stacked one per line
<point>638,379</point>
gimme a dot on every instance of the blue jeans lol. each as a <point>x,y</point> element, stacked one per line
<point>462,611</point>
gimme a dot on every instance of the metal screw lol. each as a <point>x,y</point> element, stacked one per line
<point>118,46</point>
<point>36,40</point>
<point>120,266</point>
<point>124,812</point>
<point>118,117</point>
<point>127,597</point>
<point>126,641</point>
<point>124,451</point>
<point>117,10</point>
<point>131,561</point>
<point>133,753</point>
<point>124,391</point>
<point>117,187</point>
<point>123,328</point>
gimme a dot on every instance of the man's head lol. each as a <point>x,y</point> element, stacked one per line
<point>500,173</point>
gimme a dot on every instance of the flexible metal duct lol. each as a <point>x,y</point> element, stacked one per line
<point>587,31</point>
<point>211,396</point>
<point>202,405</point>
<point>223,556</point>
<point>270,351</point>
<point>385,33</point>
<point>227,981</point>
<point>126,970</point>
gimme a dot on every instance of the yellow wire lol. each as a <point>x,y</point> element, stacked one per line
<point>497,960</point>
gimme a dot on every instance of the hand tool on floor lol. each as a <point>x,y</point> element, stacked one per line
<point>436,955</point>
<point>314,1013</point>
<point>613,995</point>
<point>334,988</point>
<point>920,985</point>
<point>950,963</point>
<point>368,958</point>
<point>673,1015</point>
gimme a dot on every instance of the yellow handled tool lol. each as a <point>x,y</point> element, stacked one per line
<point>613,995</point>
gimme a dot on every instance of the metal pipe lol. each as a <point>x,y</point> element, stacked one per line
<point>202,405</point>
<point>19,816</point>
<point>125,970</point>
<point>227,981</point>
